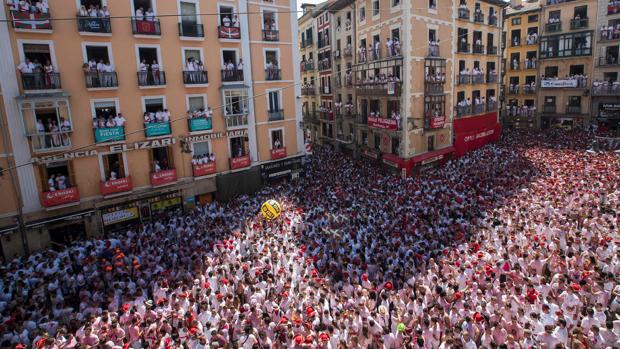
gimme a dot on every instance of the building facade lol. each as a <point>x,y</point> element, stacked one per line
<point>388,112</point>
<point>117,120</point>
<point>521,33</point>
<point>605,85</point>
<point>566,62</point>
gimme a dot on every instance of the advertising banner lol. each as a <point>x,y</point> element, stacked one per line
<point>122,215</point>
<point>200,124</point>
<point>157,129</point>
<point>240,162</point>
<point>473,133</point>
<point>163,177</point>
<point>116,186</point>
<point>204,169</point>
<point>558,83</point>
<point>383,123</point>
<point>278,153</point>
<point>60,197</point>
<point>109,134</point>
<point>438,121</point>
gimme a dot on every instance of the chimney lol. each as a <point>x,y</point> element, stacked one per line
<point>515,3</point>
<point>307,7</point>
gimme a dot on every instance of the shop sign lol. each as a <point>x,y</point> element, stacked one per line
<point>60,197</point>
<point>204,169</point>
<point>165,204</point>
<point>157,129</point>
<point>121,215</point>
<point>163,177</point>
<point>433,159</point>
<point>116,186</point>
<point>558,83</point>
<point>370,154</point>
<point>110,134</point>
<point>278,153</point>
<point>282,168</point>
<point>383,123</point>
<point>216,135</point>
<point>200,124</point>
<point>390,163</point>
<point>438,121</point>
<point>240,162</point>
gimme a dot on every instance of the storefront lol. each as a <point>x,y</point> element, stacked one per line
<point>430,160</point>
<point>609,115</point>
<point>474,132</point>
<point>61,230</point>
<point>120,217</point>
<point>286,169</point>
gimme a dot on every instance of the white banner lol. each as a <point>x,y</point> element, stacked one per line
<point>558,83</point>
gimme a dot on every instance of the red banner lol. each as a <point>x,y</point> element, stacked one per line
<point>27,20</point>
<point>204,169</point>
<point>116,186</point>
<point>474,132</point>
<point>383,123</point>
<point>278,153</point>
<point>371,154</point>
<point>146,27</point>
<point>240,162</point>
<point>438,121</point>
<point>230,32</point>
<point>163,177</point>
<point>60,197</point>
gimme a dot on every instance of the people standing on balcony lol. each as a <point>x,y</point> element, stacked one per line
<point>532,38</point>
<point>155,72</point>
<point>361,52</point>
<point>377,50</point>
<point>150,15</point>
<point>389,45</point>
<point>120,120</point>
<point>143,69</point>
<point>26,69</point>
<point>140,14</point>
<point>235,21</point>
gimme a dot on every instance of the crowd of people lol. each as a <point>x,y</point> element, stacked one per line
<point>53,133</point>
<point>58,181</point>
<point>94,11</point>
<point>201,113</point>
<point>521,110</point>
<point>38,76</point>
<point>514,245</point>
<point>38,6</point>
<point>150,74</point>
<point>202,159</point>
<point>232,71</point>
<point>610,32</point>
<point>99,73</point>
<point>159,116</point>
<point>109,121</point>
<point>606,86</point>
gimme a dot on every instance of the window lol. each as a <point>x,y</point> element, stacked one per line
<point>153,105</point>
<point>581,12</point>
<point>554,16</point>
<point>274,101</point>
<point>270,20</point>
<point>432,4</point>
<point>189,19</point>
<point>235,102</point>
<point>104,113</point>
<point>395,145</point>
<point>201,149</point>
<point>566,45</point>
<point>277,139</point>
<point>431,143</point>
<point>516,21</point>
<point>362,13</point>
<point>48,123</point>
<point>532,18</point>
<point>574,101</point>
<point>113,166</point>
<point>239,146</point>
<point>161,159</point>
<point>395,3</point>
<point>196,103</point>
<point>375,8</point>
<point>56,176</point>
<point>551,72</point>
<point>143,6</point>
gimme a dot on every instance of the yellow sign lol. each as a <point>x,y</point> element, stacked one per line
<point>164,204</point>
<point>120,216</point>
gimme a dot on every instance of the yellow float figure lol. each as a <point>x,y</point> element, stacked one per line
<point>271,209</point>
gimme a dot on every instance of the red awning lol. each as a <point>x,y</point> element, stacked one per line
<point>432,154</point>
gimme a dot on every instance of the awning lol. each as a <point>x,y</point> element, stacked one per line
<point>9,228</point>
<point>438,154</point>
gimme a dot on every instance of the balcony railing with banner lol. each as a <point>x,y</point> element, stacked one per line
<point>236,120</point>
<point>463,110</point>
<point>204,169</point>
<point>31,21</point>
<point>109,134</point>
<point>271,35</point>
<point>232,75</point>
<point>157,129</point>
<point>464,79</point>
<point>380,89</point>
<point>307,66</point>
<point>191,30</point>
<point>573,109</point>
<point>94,25</point>
<point>41,81</point>
<point>146,27</point>
<point>199,124</point>
<point>381,123</point>
<point>609,90</point>
<point>273,74</point>
<point>152,78</point>
<point>163,177</point>
<point>275,115</point>
<point>100,79</point>
<point>613,8</point>
<point>553,27</point>
<point>464,14</point>
<point>240,162</point>
<point>224,32</point>
<point>479,49</point>
<point>464,47</point>
<point>278,153</point>
<point>60,197</point>
<point>197,77</point>
<point>579,23</point>
<point>116,186</point>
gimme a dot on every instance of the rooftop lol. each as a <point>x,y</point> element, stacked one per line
<point>525,6</point>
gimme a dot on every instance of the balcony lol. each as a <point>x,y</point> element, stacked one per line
<point>196,77</point>
<point>464,14</point>
<point>305,66</point>
<point>325,90</point>
<point>573,109</point>
<point>529,89</point>
<point>549,109</point>
<point>157,129</point>
<point>278,153</point>
<point>51,141</point>
<point>463,110</point>
<point>60,197</point>
<point>40,81</point>
<point>152,78</point>
<point>433,50</point>
<point>205,169</point>
<point>240,162</point>
<point>492,20</point>
<point>191,30</point>
<point>478,108</point>
<point>275,115</point>
<point>273,74</point>
<point>326,115</point>
<point>101,25</point>
<point>308,91</point>
<point>464,47</point>
<point>491,106</point>
<point>224,32</point>
<point>513,90</point>
<point>607,35</point>
<point>464,79</point>
<point>434,88</point>
<point>492,78</point>
<point>101,80</point>
<point>477,79</point>
<point>142,27</point>
<point>380,89</point>
<point>479,49</point>
<point>553,27</point>
<point>609,90</point>
<point>163,177</point>
<point>307,43</point>
<point>109,134</point>
<point>199,124</point>
<point>336,55</point>
<point>579,23</point>
<point>232,75</point>
<point>347,52</point>
<point>478,17</point>
<point>236,120</point>
<point>325,65</point>
<point>491,50</point>
<point>271,35</point>
<point>22,20</point>
<point>116,186</point>
<point>609,61</point>
<point>383,123</point>
<point>613,8</point>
